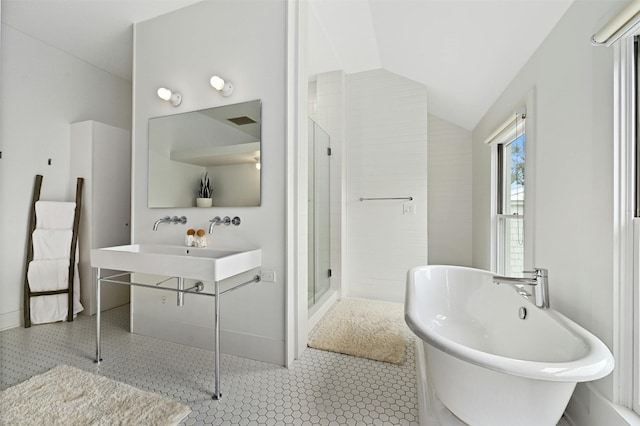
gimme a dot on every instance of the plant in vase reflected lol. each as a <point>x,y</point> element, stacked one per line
<point>205,192</point>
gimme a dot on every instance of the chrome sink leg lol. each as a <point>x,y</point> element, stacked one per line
<point>180,301</point>
<point>217,395</point>
<point>98,348</point>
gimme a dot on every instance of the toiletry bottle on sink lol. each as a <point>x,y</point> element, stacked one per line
<point>201,238</point>
<point>190,239</point>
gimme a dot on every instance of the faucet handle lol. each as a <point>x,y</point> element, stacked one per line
<point>236,221</point>
<point>538,272</point>
<point>175,220</point>
<point>543,272</point>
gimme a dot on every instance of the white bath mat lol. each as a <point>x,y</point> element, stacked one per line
<point>69,396</point>
<point>365,328</point>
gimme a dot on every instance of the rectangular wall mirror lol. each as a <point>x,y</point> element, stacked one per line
<point>223,142</point>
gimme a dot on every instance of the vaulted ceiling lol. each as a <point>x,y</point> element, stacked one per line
<point>464,51</point>
<point>97,31</point>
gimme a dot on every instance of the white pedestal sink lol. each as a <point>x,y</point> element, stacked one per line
<point>206,264</point>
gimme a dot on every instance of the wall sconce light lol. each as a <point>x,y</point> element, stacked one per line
<point>174,98</point>
<point>258,164</point>
<point>224,87</point>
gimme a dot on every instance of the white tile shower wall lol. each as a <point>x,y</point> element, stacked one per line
<point>328,100</point>
<point>449,212</point>
<point>312,100</point>
<point>386,156</point>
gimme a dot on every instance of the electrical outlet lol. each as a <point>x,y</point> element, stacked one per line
<point>409,208</point>
<point>268,276</point>
<point>163,299</point>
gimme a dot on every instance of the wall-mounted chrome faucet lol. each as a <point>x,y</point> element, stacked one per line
<point>168,219</point>
<point>539,282</point>
<point>226,221</point>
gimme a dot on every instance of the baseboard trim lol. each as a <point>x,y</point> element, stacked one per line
<point>243,345</point>
<point>10,320</point>
<point>588,407</point>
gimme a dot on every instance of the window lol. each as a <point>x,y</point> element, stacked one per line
<point>509,197</point>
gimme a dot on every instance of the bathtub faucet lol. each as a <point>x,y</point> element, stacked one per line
<point>539,281</point>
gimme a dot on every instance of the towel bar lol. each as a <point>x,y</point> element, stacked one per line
<point>386,198</point>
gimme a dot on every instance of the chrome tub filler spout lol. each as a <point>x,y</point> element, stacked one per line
<point>538,280</point>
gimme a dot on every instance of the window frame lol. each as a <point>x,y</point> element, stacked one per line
<point>626,347</point>
<point>509,132</point>
<point>635,290</point>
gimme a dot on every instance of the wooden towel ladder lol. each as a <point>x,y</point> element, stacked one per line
<point>28,294</point>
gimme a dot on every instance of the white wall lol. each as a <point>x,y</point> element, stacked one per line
<point>386,154</point>
<point>573,148</point>
<point>450,193</point>
<point>102,155</point>
<point>244,41</point>
<point>44,90</point>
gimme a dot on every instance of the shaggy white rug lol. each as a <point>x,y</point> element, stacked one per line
<point>69,396</point>
<point>365,328</point>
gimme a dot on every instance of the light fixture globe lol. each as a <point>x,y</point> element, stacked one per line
<point>164,94</point>
<point>225,87</point>
<point>216,82</point>
<point>174,98</point>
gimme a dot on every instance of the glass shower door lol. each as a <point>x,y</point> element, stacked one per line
<point>319,213</point>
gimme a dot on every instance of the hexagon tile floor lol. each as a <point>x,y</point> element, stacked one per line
<point>321,388</point>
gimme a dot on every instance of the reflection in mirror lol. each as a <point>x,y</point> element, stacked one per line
<point>223,142</point>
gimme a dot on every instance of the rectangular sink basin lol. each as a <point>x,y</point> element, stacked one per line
<point>207,264</point>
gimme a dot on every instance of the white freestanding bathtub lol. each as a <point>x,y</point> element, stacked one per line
<point>488,366</point>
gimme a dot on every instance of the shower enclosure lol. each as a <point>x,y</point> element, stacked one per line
<point>319,213</point>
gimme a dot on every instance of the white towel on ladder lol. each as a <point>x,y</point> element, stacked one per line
<point>55,214</point>
<point>45,275</point>
<point>50,244</point>
<point>49,269</point>
<point>53,308</point>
